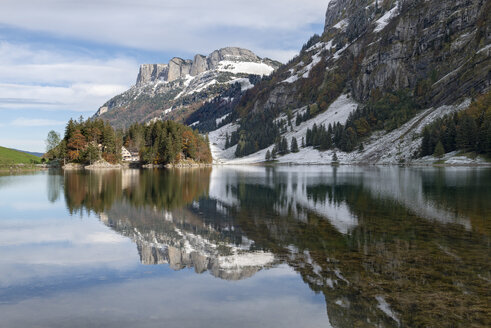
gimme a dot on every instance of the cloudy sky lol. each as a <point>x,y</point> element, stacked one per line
<point>65,58</point>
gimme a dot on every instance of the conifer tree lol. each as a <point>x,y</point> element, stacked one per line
<point>334,158</point>
<point>294,145</point>
<point>439,150</point>
<point>274,153</point>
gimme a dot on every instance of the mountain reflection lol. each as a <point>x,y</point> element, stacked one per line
<point>385,246</point>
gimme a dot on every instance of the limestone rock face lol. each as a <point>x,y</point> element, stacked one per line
<point>230,54</point>
<point>335,12</point>
<point>151,72</point>
<point>429,41</point>
<point>438,51</point>
<point>399,44</point>
<point>199,65</point>
<point>179,68</point>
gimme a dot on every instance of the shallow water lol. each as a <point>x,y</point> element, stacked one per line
<point>247,247</point>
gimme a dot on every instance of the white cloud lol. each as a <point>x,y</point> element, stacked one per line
<point>181,25</point>
<point>40,79</point>
<point>35,122</point>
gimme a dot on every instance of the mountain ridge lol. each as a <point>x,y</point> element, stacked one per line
<point>176,89</point>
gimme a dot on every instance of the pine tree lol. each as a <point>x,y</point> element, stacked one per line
<point>274,153</point>
<point>294,145</point>
<point>91,153</point>
<point>439,150</point>
<point>466,138</point>
<point>268,156</point>
<point>425,144</point>
<point>284,146</point>
<point>334,158</point>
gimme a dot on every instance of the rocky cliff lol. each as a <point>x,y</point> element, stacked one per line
<point>176,89</point>
<point>179,68</point>
<point>435,53</point>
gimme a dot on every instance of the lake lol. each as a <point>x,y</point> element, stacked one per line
<point>250,246</point>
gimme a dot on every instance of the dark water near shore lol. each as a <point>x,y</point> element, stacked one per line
<point>247,247</point>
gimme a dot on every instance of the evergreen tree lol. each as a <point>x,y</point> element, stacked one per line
<point>439,150</point>
<point>268,156</point>
<point>274,153</point>
<point>425,144</point>
<point>334,158</point>
<point>294,145</point>
<point>70,129</point>
<point>91,154</point>
<point>284,146</point>
<point>466,138</point>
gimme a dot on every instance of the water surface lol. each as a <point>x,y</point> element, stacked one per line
<point>247,247</point>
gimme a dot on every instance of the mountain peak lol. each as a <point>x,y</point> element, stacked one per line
<point>179,68</point>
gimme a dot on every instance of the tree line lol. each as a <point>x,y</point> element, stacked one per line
<point>167,142</point>
<point>469,130</point>
<point>85,141</point>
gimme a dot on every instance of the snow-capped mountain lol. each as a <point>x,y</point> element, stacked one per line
<point>382,70</point>
<point>174,90</point>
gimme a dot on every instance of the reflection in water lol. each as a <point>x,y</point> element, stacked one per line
<point>385,246</point>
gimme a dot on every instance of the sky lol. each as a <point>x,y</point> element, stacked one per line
<point>65,58</point>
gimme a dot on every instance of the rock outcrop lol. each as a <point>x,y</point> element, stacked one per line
<point>179,68</point>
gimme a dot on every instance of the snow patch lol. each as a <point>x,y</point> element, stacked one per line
<point>292,79</point>
<point>383,21</point>
<point>385,308</point>
<point>245,84</point>
<point>315,60</point>
<point>486,48</point>
<point>219,120</point>
<point>245,67</point>
<point>341,24</point>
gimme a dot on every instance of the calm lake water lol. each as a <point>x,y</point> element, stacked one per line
<point>247,247</point>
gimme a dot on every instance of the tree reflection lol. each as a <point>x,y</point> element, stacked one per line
<point>97,191</point>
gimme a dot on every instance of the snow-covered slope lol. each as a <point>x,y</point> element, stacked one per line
<point>337,112</point>
<point>396,147</point>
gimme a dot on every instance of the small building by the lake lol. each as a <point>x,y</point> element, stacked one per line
<point>129,155</point>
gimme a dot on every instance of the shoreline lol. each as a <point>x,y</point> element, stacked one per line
<point>186,166</point>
